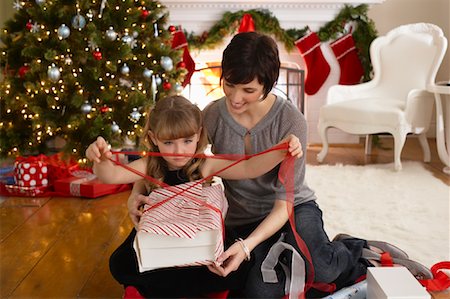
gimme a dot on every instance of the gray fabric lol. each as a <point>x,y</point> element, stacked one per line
<point>252,200</point>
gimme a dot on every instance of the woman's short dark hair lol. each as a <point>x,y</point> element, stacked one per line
<point>251,55</point>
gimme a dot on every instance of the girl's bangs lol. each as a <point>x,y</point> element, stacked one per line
<point>175,128</point>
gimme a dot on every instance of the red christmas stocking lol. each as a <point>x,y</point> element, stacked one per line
<point>179,41</point>
<point>247,23</point>
<point>317,68</point>
<point>347,56</point>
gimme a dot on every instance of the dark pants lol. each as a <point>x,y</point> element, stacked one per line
<point>334,262</point>
<point>182,282</point>
<point>338,262</point>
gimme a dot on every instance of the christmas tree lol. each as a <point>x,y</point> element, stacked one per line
<point>77,69</point>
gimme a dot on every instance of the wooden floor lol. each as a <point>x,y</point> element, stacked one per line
<point>59,247</point>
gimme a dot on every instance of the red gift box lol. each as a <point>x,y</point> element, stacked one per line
<point>86,184</point>
<point>14,190</point>
<point>31,171</point>
<point>60,167</point>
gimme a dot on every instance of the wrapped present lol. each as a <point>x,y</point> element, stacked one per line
<point>183,226</point>
<point>15,190</point>
<point>60,167</point>
<point>7,175</point>
<point>31,171</point>
<point>393,283</point>
<point>86,184</point>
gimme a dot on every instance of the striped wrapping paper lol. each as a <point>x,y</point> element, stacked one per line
<point>182,227</point>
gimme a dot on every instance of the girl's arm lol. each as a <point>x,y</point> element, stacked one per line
<point>232,258</point>
<point>99,152</point>
<point>256,165</point>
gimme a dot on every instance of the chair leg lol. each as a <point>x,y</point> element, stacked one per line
<point>368,145</point>
<point>399,142</point>
<point>425,147</point>
<point>323,135</point>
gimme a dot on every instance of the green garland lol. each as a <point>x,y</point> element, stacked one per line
<point>265,22</point>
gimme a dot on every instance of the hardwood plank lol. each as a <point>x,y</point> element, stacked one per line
<point>22,250</point>
<point>76,252</point>
<point>14,211</point>
<point>101,284</point>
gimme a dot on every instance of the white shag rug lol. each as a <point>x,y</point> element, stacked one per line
<point>409,208</point>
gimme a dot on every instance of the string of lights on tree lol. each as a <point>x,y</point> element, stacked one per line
<point>80,69</point>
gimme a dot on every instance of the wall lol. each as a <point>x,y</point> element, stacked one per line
<point>393,13</point>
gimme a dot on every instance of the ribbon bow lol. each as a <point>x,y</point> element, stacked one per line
<point>440,280</point>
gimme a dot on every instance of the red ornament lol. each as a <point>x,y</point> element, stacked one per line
<point>23,70</point>
<point>167,85</point>
<point>29,25</point>
<point>144,14</point>
<point>182,64</point>
<point>97,55</point>
<point>172,28</point>
<point>104,109</point>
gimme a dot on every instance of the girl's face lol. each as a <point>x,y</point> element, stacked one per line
<point>185,146</point>
<point>241,97</point>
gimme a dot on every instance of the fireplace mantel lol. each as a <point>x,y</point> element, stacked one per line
<point>200,15</point>
<point>265,3</point>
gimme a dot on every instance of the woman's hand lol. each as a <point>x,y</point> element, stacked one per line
<point>136,201</point>
<point>135,206</point>
<point>98,150</point>
<point>228,261</point>
<point>294,145</point>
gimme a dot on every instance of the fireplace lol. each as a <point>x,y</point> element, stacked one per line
<point>200,15</point>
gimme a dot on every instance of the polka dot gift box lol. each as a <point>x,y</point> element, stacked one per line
<point>31,172</point>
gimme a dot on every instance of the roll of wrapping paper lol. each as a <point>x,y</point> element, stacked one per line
<point>356,291</point>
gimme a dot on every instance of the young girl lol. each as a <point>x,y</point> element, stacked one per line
<point>175,129</point>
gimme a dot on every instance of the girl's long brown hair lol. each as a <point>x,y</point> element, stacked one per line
<point>171,118</point>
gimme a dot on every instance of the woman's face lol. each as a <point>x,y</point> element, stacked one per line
<point>241,97</point>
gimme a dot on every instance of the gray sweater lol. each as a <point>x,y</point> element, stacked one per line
<point>252,200</point>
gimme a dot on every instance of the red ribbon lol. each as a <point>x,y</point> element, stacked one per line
<point>440,280</point>
<point>247,24</point>
<point>38,158</point>
<point>386,260</point>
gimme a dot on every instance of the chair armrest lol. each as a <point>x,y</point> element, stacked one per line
<point>418,93</point>
<point>340,93</point>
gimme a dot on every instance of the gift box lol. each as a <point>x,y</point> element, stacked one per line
<point>183,226</point>
<point>31,171</point>
<point>7,175</point>
<point>86,184</point>
<point>15,190</point>
<point>60,167</point>
<point>393,283</point>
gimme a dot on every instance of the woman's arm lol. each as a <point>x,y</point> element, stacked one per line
<point>256,165</point>
<point>99,152</point>
<point>232,258</point>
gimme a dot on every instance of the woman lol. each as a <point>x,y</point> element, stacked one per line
<point>251,119</point>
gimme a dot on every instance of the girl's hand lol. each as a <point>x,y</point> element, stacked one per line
<point>98,150</point>
<point>294,145</point>
<point>228,261</point>
<point>135,203</point>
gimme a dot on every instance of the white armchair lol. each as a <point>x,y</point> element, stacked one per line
<point>395,101</point>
